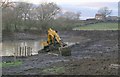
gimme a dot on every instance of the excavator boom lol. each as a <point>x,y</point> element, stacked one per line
<point>52,34</point>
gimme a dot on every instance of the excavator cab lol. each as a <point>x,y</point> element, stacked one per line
<point>54,42</point>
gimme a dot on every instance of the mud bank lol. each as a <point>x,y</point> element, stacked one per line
<point>94,55</point>
<point>36,36</point>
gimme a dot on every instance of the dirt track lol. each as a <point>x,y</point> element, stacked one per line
<point>94,55</point>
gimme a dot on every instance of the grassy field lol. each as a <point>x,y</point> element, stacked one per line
<point>9,64</point>
<point>99,26</point>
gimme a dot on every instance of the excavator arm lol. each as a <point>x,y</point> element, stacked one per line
<point>52,38</point>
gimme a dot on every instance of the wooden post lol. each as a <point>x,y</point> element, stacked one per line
<point>17,51</point>
<point>31,51</point>
<point>14,57</point>
<point>25,50</point>
<point>28,51</point>
<point>20,51</point>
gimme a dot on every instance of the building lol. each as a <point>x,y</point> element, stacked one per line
<point>99,17</point>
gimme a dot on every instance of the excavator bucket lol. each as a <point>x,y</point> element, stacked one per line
<point>65,51</point>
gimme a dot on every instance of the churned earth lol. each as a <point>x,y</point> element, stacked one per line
<point>94,53</point>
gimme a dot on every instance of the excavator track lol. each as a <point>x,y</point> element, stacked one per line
<point>64,51</point>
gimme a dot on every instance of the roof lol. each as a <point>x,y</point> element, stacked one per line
<point>98,15</point>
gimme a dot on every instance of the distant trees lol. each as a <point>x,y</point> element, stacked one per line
<point>7,14</point>
<point>17,17</point>
<point>46,12</point>
<point>71,15</point>
<point>6,3</point>
<point>22,14</point>
<point>67,20</point>
<point>25,16</point>
<point>105,11</point>
<point>7,19</point>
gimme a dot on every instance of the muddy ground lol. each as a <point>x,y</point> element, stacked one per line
<point>96,54</point>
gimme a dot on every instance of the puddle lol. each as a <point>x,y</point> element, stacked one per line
<point>116,66</point>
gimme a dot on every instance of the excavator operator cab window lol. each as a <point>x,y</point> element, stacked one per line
<point>56,31</point>
<point>55,41</point>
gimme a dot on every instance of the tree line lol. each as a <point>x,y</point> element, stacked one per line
<point>25,16</point>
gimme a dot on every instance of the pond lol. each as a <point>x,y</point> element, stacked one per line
<point>9,47</point>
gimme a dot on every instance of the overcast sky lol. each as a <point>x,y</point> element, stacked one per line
<point>88,8</point>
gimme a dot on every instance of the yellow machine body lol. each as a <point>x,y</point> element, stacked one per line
<point>52,34</point>
<point>54,44</point>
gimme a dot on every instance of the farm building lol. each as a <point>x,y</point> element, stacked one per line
<point>99,17</point>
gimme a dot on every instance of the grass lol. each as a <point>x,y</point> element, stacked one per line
<point>10,64</point>
<point>54,70</point>
<point>99,26</point>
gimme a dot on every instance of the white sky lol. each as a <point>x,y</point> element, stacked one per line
<point>88,7</point>
<point>65,1</point>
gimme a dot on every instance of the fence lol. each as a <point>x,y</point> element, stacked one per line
<point>23,51</point>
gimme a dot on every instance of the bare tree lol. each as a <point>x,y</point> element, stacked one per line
<point>46,12</point>
<point>71,15</point>
<point>78,14</point>
<point>24,10</point>
<point>105,11</point>
<point>18,17</point>
<point>22,14</point>
<point>7,18</point>
<point>6,3</point>
<point>67,20</point>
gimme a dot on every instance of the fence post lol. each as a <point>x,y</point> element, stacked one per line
<point>25,50</point>
<point>14,57</point>
<point>31,51</point>
<point>20,51</point>
<point>28,50</point>
<point>17,51</point>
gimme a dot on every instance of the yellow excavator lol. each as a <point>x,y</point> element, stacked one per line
<point>54,43</point>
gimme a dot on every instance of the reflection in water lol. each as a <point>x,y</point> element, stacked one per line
<point>8,47</point>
